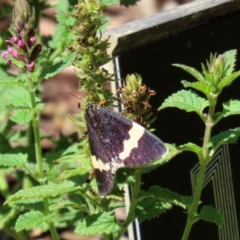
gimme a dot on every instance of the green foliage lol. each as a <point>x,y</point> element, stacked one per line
<point>150,208</point>
<point>30,220</point>
<point>50,190</point>
<point>212,215</point>
<point>56,189</point>
<point>101,223</point>
<point>218,73</point>
<point>230,136</point>
<point>186,100</point>
<point>13,160</point>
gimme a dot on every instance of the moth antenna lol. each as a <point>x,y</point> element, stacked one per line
<point>72,94</point>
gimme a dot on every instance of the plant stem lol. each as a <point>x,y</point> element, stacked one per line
<point>135,195</point>
<point>203,160</point>
<point>193,209</point>
<point>38,152</point>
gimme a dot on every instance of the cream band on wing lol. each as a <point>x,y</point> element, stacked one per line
<point>99,164</point>
<point>135,133</point>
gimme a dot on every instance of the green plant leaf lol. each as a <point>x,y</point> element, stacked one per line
<point>13,160</point>
<point>6,78</point>
<point>18,96</point>
<point>200,86</point>
<point>35,204</point>
<point>50,190</point>
<point>69,217</point>
<point>54,69</point>
<point>230,136</point>
<point>125,176</point>
<point>230,60</point>
<point>150,208</point>
<point>166,195</point>
<point>30,220</point>
<point>21,116</point>
<point>232,107</point>
<point>186,100</point>
<point>191,147</point>
<point>227,81</point>
<point>50,157</point>
<point>75,172</point>
<point>195,73</point>
<point>212,215</point>
<point>101,223</point>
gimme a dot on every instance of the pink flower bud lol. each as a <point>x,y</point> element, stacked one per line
<point>21,44</point>
<point>14,39</point>
<point>30,67</point>
<point>32,41</point>
<point>5,58</point>
<point>12,52</point>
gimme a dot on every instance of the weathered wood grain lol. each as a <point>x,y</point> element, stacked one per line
<point>150,29</point>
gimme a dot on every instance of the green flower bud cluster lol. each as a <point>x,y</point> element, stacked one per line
<point>91,50</point>
<point>215,71</point>
<point>135,98</point>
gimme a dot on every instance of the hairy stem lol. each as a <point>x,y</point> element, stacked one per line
<point>134,201</point>
<point>203,160</point>
<point>38,152</point>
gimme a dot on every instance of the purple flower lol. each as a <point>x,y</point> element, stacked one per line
<point>30,67</point>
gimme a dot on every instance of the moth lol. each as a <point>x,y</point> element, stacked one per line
<point>116,142</point>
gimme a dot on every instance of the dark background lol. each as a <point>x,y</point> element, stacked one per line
<point>154,63</point>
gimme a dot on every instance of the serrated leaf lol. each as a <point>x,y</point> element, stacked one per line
<point>18,96</point>
<point>166,195</point>
<point>186,100</point>
<point>29,220</point>
<point>195,73</point>
<point>54,69</point>
<point>75,172</point>
<point>227,81</point>
<point>200,86</point>
<point>50,190</point>
<point>116,204</point>
<point>21,116</point>
<point>35,204</point>
<point>101,223</point>
<point>230,136</point>
<point>150,208</point>
<point>230,59</point>
<point>60,154</point>
<point>232,107</point>
<point>211,214</point>
<point>191,147</point>
<point>13,160</point>
<point>69,217</point>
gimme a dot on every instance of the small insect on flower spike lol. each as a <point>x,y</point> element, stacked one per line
<point>115,142</point>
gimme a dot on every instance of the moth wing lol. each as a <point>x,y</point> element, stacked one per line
<point>101,162</point>
<point>126,142</point>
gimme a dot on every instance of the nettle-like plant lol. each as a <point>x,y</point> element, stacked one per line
<point>56,189</point>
